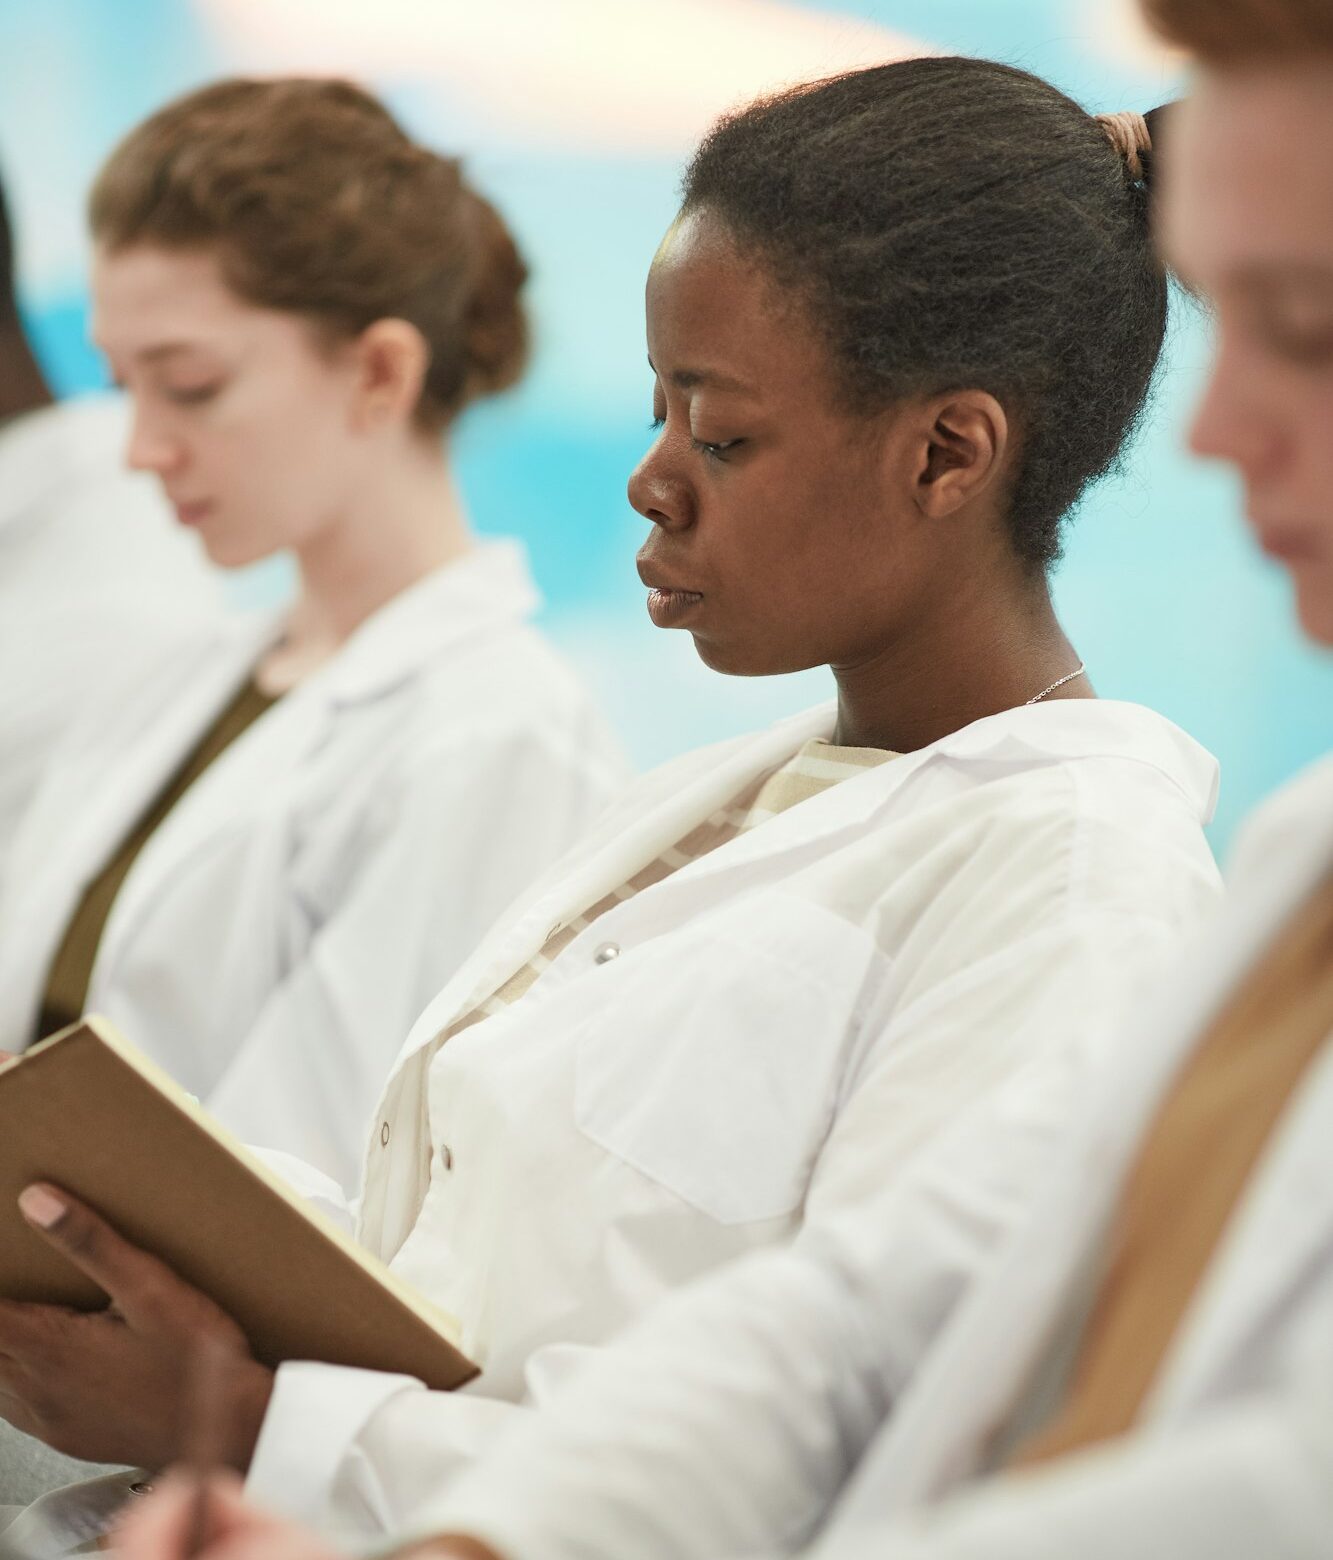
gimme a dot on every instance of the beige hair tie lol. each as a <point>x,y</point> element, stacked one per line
<point>1129,134</point>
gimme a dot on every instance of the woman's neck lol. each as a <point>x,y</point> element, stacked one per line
<point>977,654</point>
<point>386,541</point>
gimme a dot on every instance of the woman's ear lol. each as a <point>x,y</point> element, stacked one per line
<point>960,452</point>
<point>392,359</point>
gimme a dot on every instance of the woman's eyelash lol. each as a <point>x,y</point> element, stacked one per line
<point>716,451</point>
<point>195,395</point>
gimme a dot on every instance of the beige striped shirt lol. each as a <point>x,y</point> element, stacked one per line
<point>815,767</point>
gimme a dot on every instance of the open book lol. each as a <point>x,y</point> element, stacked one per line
<point>87,1112</point>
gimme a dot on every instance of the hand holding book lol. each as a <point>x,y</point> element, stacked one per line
<point>116,1187</point>
<point>110,1386</point>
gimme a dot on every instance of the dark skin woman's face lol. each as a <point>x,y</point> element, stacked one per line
<point>775,542</point>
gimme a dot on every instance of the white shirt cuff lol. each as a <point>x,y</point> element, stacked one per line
<point>315,1416</point>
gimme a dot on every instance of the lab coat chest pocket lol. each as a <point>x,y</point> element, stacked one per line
<point>714,1059</point>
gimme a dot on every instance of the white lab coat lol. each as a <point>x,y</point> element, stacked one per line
<point>787,1395</point>
<point>787,1020</point>
<point>323,879</point>
<point>91,560</point>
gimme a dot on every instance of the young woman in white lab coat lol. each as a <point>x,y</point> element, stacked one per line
<point>300,301</point>
<point>902,320</point>
<point>1096,1318</point>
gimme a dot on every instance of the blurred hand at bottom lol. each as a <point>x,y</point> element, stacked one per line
<point>164,1525</point>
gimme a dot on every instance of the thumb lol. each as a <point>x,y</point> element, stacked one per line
<point>136,1282</point>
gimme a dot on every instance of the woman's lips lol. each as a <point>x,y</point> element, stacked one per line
<point>668,607</point>
<point>193,514</point>
<point>1290,546</point>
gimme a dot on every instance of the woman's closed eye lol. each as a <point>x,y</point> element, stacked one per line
<point>192,395</point>
<point>715,449</point>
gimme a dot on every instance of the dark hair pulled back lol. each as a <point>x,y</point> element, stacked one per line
<point>316,201</point>
<point>952,224</point>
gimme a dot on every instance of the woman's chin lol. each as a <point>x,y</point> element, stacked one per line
<point>232,553</point>
<point>733,660</point>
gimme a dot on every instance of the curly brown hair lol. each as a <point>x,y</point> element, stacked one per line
<point>317,202</point>
<point>1237,31</point>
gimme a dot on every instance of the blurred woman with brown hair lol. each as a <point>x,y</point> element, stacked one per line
<point>276,842</point>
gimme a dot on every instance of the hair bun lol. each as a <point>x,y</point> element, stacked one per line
<point>319,203</point>
<point>1129,134</point>
<point>495,332</point>
<point>1138,139</point>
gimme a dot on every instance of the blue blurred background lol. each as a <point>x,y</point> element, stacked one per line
<point>575,116</point>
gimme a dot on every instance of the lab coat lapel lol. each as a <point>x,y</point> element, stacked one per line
<point>99,784</point>
<point>626,839</point>
<point>488,586</point>
<point>1285,1219</point>
<point>1285,1225</point>
<point>244,780</point>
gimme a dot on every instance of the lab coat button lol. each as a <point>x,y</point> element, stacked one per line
<point>446,1156</point>
<point>606,953</point>
<point>384,1134</point>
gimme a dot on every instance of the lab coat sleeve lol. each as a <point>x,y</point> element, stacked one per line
<point>1254,1478</point>
<point>726,1420</point>
<point>926,1061</point>
<point>380,930</point>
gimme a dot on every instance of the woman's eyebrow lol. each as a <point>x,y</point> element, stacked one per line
<point>694,378</point>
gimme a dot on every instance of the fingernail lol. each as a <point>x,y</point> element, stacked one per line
<point>41,1207</point>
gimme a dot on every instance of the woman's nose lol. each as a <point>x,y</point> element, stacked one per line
<point>1228,423</point>
<point>657,495</point>
<point>151,449</point>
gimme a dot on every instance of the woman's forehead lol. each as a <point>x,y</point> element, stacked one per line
<point>1246,185</point>
<point>715,311</point>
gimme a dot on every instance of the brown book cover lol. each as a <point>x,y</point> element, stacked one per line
<point>87,1112</point>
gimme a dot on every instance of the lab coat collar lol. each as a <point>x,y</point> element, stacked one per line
<point>1021,738</point>
<point>1092,728</point>
<point>488,588</point>
<point>668,804</point>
